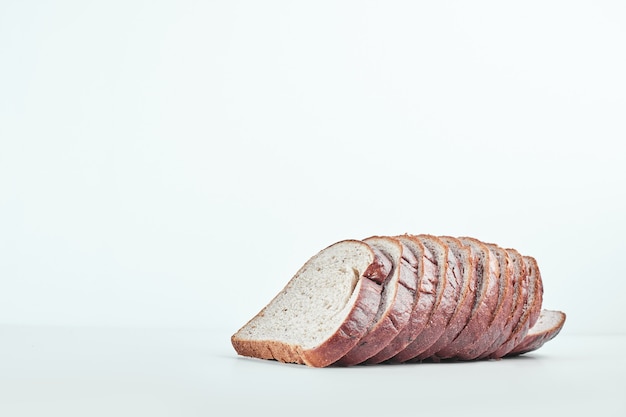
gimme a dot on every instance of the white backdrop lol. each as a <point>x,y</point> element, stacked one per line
<point>173,163</point>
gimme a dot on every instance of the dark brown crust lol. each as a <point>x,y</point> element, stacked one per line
<point>398,314</point>
<point>459,258</point>
<point>531,264</point>
<point>484,303</point>
<point>505,300</point>
<point>495,332</point>
<point>530,306</point>
<point>347,335</point>
<point>426,298</point>
<point>442,313</point>
<point>469,333</point>
<point>379,269</point>
<point>520,292</point>
<point>494,319</point>
<point>534,341</point>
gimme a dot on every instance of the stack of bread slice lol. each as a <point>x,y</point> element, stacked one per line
<point>409,298</point>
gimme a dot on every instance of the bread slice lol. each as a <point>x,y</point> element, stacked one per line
<point>397,300</point>
<point>547,327</point>
<point>481,309</point>
<point>427,298</point>
<point>505,300</point>
<point>533,268</point>
<point>463,276</point>
<point>496,334</point>
<point>532,307</point>
<point>490,321</point>
<point>323,311</point>
<point>520,292</point>
<point>441,314</point>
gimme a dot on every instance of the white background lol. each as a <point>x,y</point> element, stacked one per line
<point>173,163</point>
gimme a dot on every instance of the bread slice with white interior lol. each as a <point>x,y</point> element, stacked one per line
<point>548,326</point>
<point>323,311</point>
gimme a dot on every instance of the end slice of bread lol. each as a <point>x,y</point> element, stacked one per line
<point>547,327</point>
<point>323,311</point>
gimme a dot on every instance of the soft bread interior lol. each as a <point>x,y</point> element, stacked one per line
<point>316,301</point>
<point>547,321</point>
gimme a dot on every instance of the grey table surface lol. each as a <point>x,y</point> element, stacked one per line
<point>83,371</point>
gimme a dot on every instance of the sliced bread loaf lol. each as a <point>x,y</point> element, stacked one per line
<point>404,299</point>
